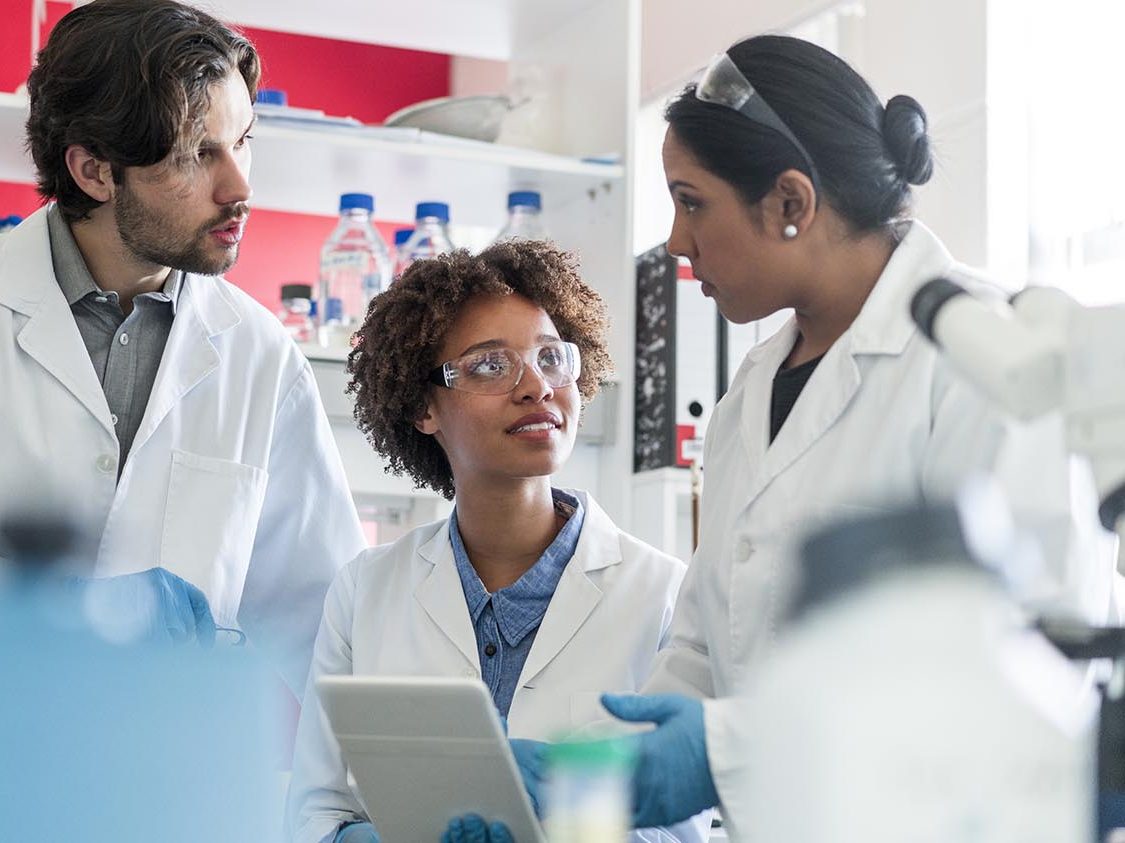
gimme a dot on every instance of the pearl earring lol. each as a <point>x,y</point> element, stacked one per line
<point>789,232</point>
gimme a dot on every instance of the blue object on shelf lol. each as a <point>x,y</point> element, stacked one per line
<point>272,96</point>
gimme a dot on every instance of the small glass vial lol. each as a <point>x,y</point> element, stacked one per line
<point>296,311</point>
<point>588,791</point>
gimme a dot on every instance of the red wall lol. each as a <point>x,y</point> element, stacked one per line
<point>15,42</point>
<point>348,79</point>
<point>339,77</point>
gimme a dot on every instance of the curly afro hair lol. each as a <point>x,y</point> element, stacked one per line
<point>397,346</point>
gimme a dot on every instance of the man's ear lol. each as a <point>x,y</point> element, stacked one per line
<point>91,174</point>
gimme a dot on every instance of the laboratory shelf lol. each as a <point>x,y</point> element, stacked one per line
<point>300,166</point>
<point>578,64</point>
<point>304,165</point>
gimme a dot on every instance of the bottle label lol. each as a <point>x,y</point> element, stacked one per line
<point>345,260</point>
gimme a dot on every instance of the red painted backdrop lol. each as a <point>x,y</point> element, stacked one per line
<point>364,81</point>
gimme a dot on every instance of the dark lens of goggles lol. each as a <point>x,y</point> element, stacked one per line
<point>724,84</point>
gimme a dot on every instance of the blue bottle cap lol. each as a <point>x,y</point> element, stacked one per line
<point>525,198</point>
<point>402,235</point>
<point>362,201</point>
<point>11,221</point>
<point>334,310</point>
<point>272,96</point>
<point>433,209</point>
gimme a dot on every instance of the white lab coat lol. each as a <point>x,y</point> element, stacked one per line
<point>233,481</point>
<point>400,609</point>
<point>883,421</point>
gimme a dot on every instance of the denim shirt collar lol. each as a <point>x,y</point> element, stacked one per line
<point>520,607</point>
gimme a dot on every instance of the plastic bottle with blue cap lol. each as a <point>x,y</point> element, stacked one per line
<point>8,223</point>
<point>401,259</point>
<point>355,266</point>
<point>431,234</point>
<point>272,97</point>
<point>524,220</point>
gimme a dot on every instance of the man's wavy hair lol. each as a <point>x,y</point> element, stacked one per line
<point>397,346</point>
<point>128,80</point>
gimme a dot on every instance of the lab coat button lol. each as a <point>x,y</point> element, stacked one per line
<point>469,673</point>
<point>743,550</point>
<point>106,464</point>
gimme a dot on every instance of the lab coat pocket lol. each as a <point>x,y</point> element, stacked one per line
<point>209,526</point>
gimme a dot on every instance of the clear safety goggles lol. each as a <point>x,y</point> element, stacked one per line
<point>497,371</point>
<point>722,83</point>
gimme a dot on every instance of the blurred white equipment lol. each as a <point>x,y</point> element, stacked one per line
<point>1042,352</point>
<point>907,700</point>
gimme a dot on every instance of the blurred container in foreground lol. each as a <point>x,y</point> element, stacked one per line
<point>588,791</point>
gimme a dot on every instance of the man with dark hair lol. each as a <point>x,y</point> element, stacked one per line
<point>158,403</point>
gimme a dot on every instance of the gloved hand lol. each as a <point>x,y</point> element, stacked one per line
<point>153,605</point>
<point>472,829</point>
<point>356,833</point>
<point>529,759</point>
<point>672,778</point>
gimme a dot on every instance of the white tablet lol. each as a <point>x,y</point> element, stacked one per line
<point>425,750</point>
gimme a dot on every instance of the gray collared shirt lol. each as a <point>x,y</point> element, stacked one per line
<point>125,350</point>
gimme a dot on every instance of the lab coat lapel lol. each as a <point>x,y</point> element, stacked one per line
<point>50,336</point>
<point>761,364</point>
<point>883,327</point>
<point>576,595</point>
<point>823,400</point>
<point>52,339</point>
<point>443,598</point>
<point>202,312</point>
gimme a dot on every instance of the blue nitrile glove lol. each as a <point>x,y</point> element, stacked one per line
<point>672,778</point>
<point>356,833</point>
<point>472,828</point>
<point>529,758</point>
<point>153,606</point>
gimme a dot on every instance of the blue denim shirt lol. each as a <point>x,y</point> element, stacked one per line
<point>505,622</point>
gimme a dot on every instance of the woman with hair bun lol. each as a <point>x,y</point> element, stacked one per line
<point>792,189</point>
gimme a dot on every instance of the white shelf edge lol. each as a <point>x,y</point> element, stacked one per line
<point>432,145</point>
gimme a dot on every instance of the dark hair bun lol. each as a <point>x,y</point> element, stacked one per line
<point>904,133</point>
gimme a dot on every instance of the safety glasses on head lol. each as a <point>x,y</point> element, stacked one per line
<point>497,371</point>
<point>723,84</point>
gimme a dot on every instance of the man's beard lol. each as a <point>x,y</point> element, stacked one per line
<point>156,240</point>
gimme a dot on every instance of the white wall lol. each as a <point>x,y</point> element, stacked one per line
<point>678,39</point>
<point>943,54</point>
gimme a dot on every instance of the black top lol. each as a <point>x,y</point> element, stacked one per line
<point>787,386</point>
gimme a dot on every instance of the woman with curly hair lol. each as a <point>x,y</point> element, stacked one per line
<point>470,374</point>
